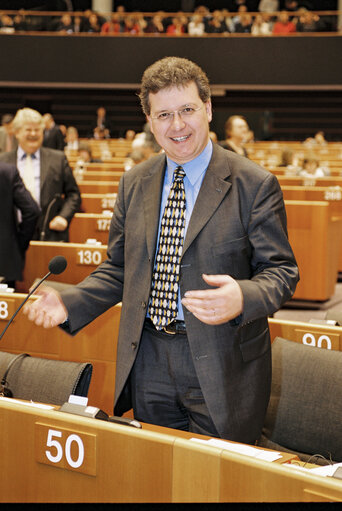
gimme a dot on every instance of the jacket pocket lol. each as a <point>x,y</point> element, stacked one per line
<point>256,346</point>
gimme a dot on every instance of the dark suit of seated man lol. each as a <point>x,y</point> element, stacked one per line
<point>19,213</point>
<point>46,174</point>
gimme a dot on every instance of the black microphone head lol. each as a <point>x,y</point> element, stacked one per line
<point>57,265</point>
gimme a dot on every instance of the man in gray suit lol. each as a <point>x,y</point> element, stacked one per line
<point>46,174</point>
<point>200,361</point>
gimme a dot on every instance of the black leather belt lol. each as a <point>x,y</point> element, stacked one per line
<point>176,327</point>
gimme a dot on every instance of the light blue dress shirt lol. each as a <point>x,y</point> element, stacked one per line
<point>194,173</point>
<point>21,165</point>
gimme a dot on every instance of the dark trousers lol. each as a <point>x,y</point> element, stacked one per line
<point>165,387</point>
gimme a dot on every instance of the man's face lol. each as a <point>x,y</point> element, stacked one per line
<point>30,137</point>
<point>182,137</point>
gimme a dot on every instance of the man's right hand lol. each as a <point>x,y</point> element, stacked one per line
<point>48,310</point>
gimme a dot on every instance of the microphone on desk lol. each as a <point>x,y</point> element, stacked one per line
<point>56,266</point>
<point>47,215</point>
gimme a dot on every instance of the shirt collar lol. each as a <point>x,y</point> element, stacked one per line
<point>194,168</point>
<point>22,154</point>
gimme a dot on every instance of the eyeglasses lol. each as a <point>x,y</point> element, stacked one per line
<point>183,113</point>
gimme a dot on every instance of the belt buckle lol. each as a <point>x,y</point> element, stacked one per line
<point>170,332</point>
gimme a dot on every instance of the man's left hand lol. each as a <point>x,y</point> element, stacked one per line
<point>215,306</point>
<point>58,223</point>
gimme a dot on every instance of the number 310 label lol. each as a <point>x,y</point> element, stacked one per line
<point>65,448</point>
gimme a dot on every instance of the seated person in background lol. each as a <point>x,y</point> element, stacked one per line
<point>129,135</point>
<point>289,160</point>
<point>196,25</point>
<point>94,23</point>
<point>155,25</point>
<point>101,133</point>
<point>178,26</point>
<point>113,26</point>
<point>217,24</point>
<point>102,122</point>
<point>311,168</point>
<point>308,21</point>
<point>260,26</point>
<point>46,174</point>
<point>245,24</point>
<point>132,26</point>
<point>19,213</point>
<point>65,24</point>
<point>53,137</point>
<point>139,154</point>
<point>72,142</point>
<point>283,25</point>
<point>7,138</point>
<point>236,129</point>
<point>317,139</point>
<point>85,155</point>
<point>320,138</point>
<point>6,24</point>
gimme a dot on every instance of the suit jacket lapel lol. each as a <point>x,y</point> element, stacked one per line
<point>214,188</point>
<point>44,166</point>
<point>152,186</point>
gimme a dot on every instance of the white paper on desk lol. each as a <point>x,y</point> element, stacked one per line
<point>247,450</point>
<point>27,403</point>
<point>327,470</point>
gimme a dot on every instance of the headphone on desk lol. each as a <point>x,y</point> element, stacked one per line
<point>4,389</point>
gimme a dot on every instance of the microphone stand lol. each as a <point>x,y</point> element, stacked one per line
<point>46,217</point>
<point>23,303</point>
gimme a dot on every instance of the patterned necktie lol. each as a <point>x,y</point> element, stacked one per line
<point>164,289</point>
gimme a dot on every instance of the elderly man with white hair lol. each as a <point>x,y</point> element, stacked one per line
<point>46,174</point>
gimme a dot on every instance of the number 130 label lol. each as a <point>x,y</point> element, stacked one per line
<point>66,449</point>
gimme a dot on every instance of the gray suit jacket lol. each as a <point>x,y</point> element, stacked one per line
<point>59,193</point>
<point>238,227</point>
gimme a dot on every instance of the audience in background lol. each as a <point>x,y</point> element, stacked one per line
<point>236,130</point>
<point>113,26</point>
<point>8,142</point>
<point>85,155</point>
<point>283,25</point>
<point>295,16</point>
<point>53,137</point>
<point>311,168</point>
<point>46,174</point>
<point>72,142</point>
<point>196,25</point>
<point>155,25</point>
<point>261,25</point>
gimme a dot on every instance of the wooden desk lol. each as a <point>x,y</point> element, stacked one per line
<point>125,464</point>
<point>98,175</point>
<point>96,343</point>
<point>309,334</point>
<point>315,236</point>
<point>318,193</point>
<point>89,225</point>
<point>82,260</point>
<point>98,186</point>
<point>97,203</point>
